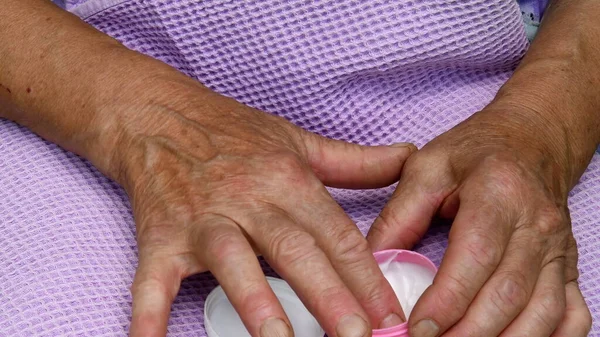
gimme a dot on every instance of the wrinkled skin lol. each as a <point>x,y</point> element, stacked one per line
<point>209,193</point>
<point>511,264</point>
<point>213,182</point>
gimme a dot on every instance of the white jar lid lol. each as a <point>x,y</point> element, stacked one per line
<point>221,319</point>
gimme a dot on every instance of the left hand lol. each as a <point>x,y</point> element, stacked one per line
<point>511,264</point>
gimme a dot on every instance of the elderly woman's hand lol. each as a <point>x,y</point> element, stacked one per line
<point>214,182</point>
<point>503,175</point>
<point>511,264</point>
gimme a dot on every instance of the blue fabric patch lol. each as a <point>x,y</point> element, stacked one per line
<point>60,3</point>
<point>532,11</point>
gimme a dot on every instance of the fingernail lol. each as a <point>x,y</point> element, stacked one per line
<point>352,326</point>
<point>390,321</point>
<point>409,146</point>
<point>275,327</point>
<point>425,328</point>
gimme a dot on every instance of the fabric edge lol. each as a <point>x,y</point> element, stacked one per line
<point>90,8</point>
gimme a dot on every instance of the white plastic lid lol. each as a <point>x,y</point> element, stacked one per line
<point>221,319</point>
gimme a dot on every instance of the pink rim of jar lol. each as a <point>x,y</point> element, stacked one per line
<point>401,256</point>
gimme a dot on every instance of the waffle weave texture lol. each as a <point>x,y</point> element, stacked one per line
<point>371,72</point>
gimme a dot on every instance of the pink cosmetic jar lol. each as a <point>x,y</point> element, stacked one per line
<point>409,273</point>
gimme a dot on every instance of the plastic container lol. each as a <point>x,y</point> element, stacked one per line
<point>221,320</point>
<point>399,267</point>
<point>409,273</point>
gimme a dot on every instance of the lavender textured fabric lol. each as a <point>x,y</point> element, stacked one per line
<point>372,72</point>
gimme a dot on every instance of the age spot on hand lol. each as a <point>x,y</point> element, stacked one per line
<point>7,89</point>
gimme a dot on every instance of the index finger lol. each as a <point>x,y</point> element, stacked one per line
<point>476,245</point>
<point>352,258</point>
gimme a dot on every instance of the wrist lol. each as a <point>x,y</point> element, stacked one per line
<point>552,101</point>
<point>75,86</point>
<point>557,128</point>
<point>158,110</point>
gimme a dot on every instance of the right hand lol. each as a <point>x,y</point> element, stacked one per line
<point>213,183</point>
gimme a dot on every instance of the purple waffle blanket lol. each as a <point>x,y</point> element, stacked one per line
<point>372,72</point>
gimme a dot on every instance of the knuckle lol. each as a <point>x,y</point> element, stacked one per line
<point>387,221</point>
<point>413,164</point>
<point>253,298</point>
<point>438,173</point>
<point>550,221</point>
<point>502,162</point>
<point>351,246</point>
<point>289,169</point>
<point>151,284</point>
<point>511,294</point>
<point>484,250</point>
<point>330,299</point>
<point>292,246</point>
<point>148,283</point>
<point>222,244</point>
<point>372,294</point>
<point>453,299</point>
<point>504,177</point>
<point>437,160</point>
<point>290,164</point>
<point>551,307</point>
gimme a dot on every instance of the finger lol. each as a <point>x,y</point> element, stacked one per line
<point>577,321</point>
<point>406,217</point>
<point>347,165</point>
<point>221,245</point>
<point>352,258</point>
<point>295,255</point>
<point>546,307</point>
<point>155,286</point>
<point>477,242</point>
<point>508,290</point>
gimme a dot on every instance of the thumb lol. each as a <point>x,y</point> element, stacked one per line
<point>345,165</point>
<point>405,219</point>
